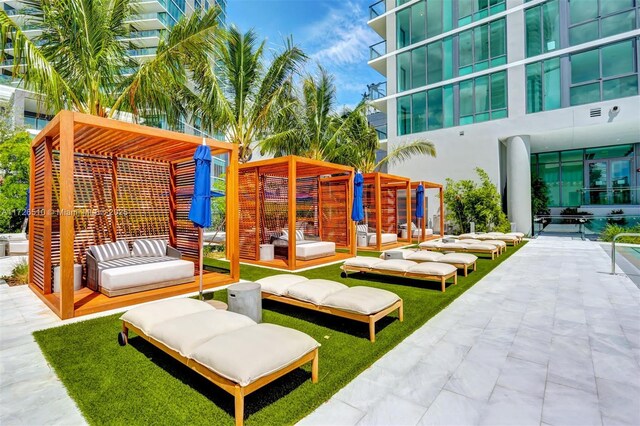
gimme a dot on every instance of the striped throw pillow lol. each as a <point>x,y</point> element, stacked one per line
<point>299,235</point>
<point>362,228</point>
<point>149,248</point>
<point>110,251</point>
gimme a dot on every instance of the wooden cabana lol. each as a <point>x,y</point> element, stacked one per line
<point>425,218</point>
<point>95,180</point>
<point>387,206</point>
<point>283,195</point>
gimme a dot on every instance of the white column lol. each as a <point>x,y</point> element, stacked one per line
<point>519,182</point>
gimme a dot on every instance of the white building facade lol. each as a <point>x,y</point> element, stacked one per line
<point>521,89</point>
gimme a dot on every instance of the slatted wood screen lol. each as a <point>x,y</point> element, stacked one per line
<point>389,213</point>
<point>36,221</point>
<point>369,204</point>
<point>187,238</point>
<point>307,214</point>
<point>335,212</point>
<point>247,188</point>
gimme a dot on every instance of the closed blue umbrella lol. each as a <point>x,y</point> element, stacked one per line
<point>200,211</point>
<point>419,207</point>
<point>357,209</point>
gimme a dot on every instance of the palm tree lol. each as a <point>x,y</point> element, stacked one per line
<point>238,94</point>
<point>81,61</point>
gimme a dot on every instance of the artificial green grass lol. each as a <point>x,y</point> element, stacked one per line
<point>138,384</point>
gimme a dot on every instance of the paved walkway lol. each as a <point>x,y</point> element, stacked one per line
<point>549,337</point>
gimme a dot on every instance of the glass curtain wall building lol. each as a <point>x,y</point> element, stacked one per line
<point>532,89</point>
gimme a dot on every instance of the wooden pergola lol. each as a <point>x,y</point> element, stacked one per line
<point>423,223</point>
<point>387,201</point>
<point>295,193</point>
<point>95,180</point>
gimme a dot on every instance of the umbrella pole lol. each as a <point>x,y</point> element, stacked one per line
<point>201,255</point>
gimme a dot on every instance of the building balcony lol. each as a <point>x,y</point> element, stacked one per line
<point>147,51</point>
<point>150,21</point>
<point>376,90</point>
<point>377,21</point>
<point>377,57</point>
<point>35,123</point>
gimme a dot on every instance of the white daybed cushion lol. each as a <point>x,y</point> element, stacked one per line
<point>494,233</point>
<point>280,283</point>
<point>315,249</point>
<point>184,334</point>
<point>425,256</point>
<point>432,268</point>
<point>468,236</point>
<point>517,234</point>
<point>112,251</point>
<point>150,273</point>
<point>18,247</point>
<point>314,291</point>
<point>149,247</point>
<point>405,252</point>
<point>146,317</point>
<point>463,258</point>
<point>396,265</point>
<point>362,262</point>
<point>361,300</point>
<point>14,237</point>
<point>454,246</point>
<point>385,237</point>
<point>431,244</point>
<point>480,246</point>
<point>250,353</point>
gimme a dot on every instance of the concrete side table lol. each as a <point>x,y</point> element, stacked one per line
<point>266,252</point>
<point>77,278</point>
<point>362,240</point>
<point>245,299</point>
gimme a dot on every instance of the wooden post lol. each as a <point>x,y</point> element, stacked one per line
<point>114,201</point>
<point>319,207</point>
<point>258,218</point>
<point>378,192</point>
<point>353,238</point>
<point>32,186</point>
<point>173,205</point>
<point>47,184</point>
<point>66,214</point>
<point>408,208</point>
<point>441,212</point>
<point>292,182</point>
<point>233,212</point>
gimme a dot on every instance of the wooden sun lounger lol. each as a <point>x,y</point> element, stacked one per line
<point>370,319</point>
<point>442,279</point>
<point>493,252</point>
<point>238,391</point>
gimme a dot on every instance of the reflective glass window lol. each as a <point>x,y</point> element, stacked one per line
<point>418,67</point>
<point>403,25</point>
<point>404,115</point>
<point>404,71</point>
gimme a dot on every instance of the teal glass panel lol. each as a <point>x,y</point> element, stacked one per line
<point>608,7</point>
<point>403,25</point>
<point>404,71</point>
<point>404,115</point>
<point>418,22</point>
<point>499,90</point>
<point>401,2</point>
<point>498,39</point>
<point>575,155</point>
<point>466,120</point>
<point>434,18</point>
<point>481,94</point>
<point>585,94</point>
<point>447,16</point>
<point>534,87</point>
<point>552,92</point>
<point>615,151</point>
<point>447,60</point>
<point>617,24</point>
<point>585,66</point>
<point>583,33</point>
<point>466,98</point>
<point>434,62</point>
<point>582,10</point>
<point>465,48</point>
<point>618,59</point>
<point>550,174</point>
<point>534,31</point>
<point>481,40</point>
<point>479,66</point>
<point>620,87</point>
<point>466,70</point>
<point>418,67</point>
<point>495,115</point>
<point>534,159</point>
<point>465,8</point>
<point>497,9</point>
<point>498,61</point>
<point>479,118</point>
<point>548,157</point>
<point>448,106</point>
<point>551,26</point>
<point>419,112</point>
<point>435,108</point>
<point>572,183</point>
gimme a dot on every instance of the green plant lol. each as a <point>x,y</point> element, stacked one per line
<point>19,274</point>
<point>574,212</point>
<point>611,230</point>
<point>539,197</point>
<point>466,202</point>
<point>621,220</point>
<point>14,180</point>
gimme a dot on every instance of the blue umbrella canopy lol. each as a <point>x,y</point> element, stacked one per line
<point>200,212</point>
<point>420,201</point>
<point>357,211</point>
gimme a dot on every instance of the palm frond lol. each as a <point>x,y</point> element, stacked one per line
<point>408,150</point>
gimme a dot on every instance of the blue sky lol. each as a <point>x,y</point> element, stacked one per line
<point>332,32</point>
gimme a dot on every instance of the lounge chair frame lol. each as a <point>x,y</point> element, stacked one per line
<point>442,279</point>
<point>238,391</point>
<point>370,319</point>
<point>494,252</point>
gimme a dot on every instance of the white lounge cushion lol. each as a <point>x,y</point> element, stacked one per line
<point>453,246</point>
<point>481,247</point>
<point>14,237</point>
<point>146,317</point>
<point>432,268</point>
<point>150,273</point>
<point>517,234</point>
<point>362,228</point>
<point>396,265</point>
<point>362,262</point>
<point>431,244</point>
<point>315,249</point>
<point>468,236</point>
<point>425,256</point>
<point>459,258</point>
<point>361,300</point>
<point>386,238</point>
<point>314,291</point>
<point>184,334</point>
<point>405,253</point>
<point>280,283</point>
<point>496,243</point>
<point>250,353</point>
<point>469,240</point>
<point>111,251</point>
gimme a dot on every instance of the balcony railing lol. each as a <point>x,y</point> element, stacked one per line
<point>143,51</point>
<point>377,50</point>
<point>377,9</point>
<point>621,195</point>
<point>382,132</point>
<point>142,34</point>
<point>161,16</point>
<point>36,123</point>
<point>377,90</point>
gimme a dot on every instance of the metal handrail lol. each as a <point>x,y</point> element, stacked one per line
<point>377,9</point>
<point>613,248</point>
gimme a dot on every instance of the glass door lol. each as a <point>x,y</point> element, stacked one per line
<point>621,181</point>
<point>597,178</point>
